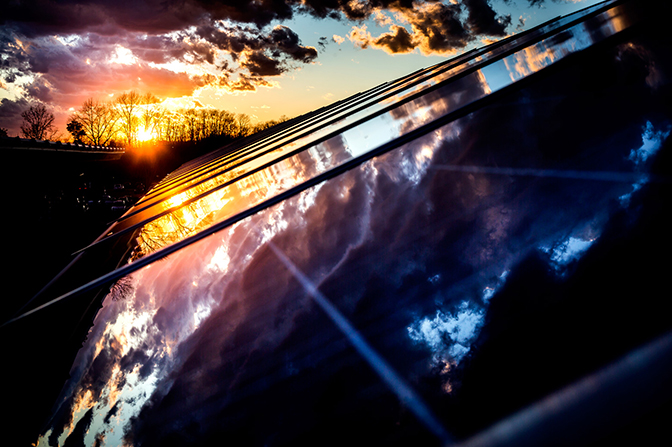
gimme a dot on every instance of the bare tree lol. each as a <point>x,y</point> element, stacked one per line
<point>38,123</point>
<point>152,114</point>
<point>98,121</point>
<point>192,124</point>
<point>127,106</point>
<point>244,125</point>
<point>226,123</point>
<point>268,124</point>
<point>170,128</point>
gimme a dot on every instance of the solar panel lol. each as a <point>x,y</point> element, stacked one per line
<point>409,265</point>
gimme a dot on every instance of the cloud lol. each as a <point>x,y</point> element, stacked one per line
<point>397,41</point>
<point>64,53</point>
<point>439,28</point>
<point>435,28</point>
<point>10,114</point>
<point>285,41</point>
<point>234,45</point>
<point>258,64</point>
<point>482,19</point>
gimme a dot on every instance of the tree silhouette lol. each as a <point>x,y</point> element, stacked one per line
<point>76,129</point>
<point>99,122</point>
<point>38,123</point>
<point>244,125</point>
<point>127,106</point>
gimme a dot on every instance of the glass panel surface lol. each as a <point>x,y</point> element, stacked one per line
<point>477,261</point>
<point>479,253</point>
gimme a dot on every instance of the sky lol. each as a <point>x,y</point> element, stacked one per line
<point>265,58</point>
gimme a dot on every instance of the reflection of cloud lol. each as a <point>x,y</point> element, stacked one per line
<point>528,61</point>
<point>409,253</point>
<point>449,335</point>
<point>569,250</point>
<point>536,57</point>
<point>652,141</point>
<point>136,342</point>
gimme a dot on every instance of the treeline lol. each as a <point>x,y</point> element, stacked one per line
<point>133,118</point>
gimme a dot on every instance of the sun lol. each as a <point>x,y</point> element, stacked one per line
<point>145,135</point>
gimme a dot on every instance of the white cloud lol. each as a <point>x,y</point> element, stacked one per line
<point>449,335</point>
<point>652,140</point>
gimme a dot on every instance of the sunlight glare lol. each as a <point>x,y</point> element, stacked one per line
<point>145,135</point>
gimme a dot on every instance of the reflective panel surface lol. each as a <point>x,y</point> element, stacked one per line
<point>435,269</point>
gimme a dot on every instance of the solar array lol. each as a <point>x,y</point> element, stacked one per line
<point>411,264</point>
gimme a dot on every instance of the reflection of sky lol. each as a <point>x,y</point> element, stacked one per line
<point>149,330</point>
<point>652,140</point>
<point>414,256</point>
<point>135,341</point>
<point>536,57</point>
<point>251,190</point>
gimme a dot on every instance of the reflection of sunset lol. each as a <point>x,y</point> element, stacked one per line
<point>222,199</point>
<point>176,200</point>
<point>221,203</point>
<point>181,223</point>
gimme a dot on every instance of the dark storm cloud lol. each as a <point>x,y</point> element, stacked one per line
<point>258,64</point>
<point>286,41</point>
<point>397,41</point>
<point>41,91</point>
<point>281,42</point>
<point>10,112</point>
<point>440,27</point>
<point>162,49</point>
<point>34,18</point>
<point>483,19</point>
